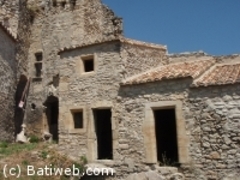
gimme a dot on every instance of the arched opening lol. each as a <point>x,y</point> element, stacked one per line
<point>52,113</point>
<point>20,95</point>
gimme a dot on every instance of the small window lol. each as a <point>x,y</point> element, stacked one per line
<point>38,69</point>
<point>88,65</point>
<point>39,56</point>
<point>78,119</point>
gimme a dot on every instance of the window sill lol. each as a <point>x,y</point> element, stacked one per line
<point>77,131</point>
<point>88,73</point>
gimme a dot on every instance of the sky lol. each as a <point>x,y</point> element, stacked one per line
<point>212,26</point>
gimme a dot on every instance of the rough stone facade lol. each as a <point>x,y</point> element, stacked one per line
<point>7,78</point>
<point>78,62</point>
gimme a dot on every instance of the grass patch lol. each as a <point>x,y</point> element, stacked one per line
<point>8,149</point>
<point>37,155</point>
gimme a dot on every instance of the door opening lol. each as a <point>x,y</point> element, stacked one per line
<point>166,136</point>
<point>52,113</point>
<point>103,128</point>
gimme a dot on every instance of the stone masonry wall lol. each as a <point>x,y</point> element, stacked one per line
<point>84,90</point>
<point>138,59</point>
<point>212,118</point>
<point>56,27</point>
<point>131,114</point>
<point>7,79</point>
<point>23,39</point>
<point>9,15</point>
<point>212,125</point>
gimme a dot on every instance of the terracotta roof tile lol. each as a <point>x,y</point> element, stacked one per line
<point>172,71</point>
<point>120,39</point>
<point>219,74</point>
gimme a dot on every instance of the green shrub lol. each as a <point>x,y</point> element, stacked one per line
<point>34,139</point>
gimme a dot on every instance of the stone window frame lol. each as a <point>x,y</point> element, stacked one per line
<point>150,136</point>
<point>80,64</point>
<point>92,139</point>
<point>70,124</point>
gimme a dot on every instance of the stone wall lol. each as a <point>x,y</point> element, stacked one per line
<point>57,26</point>
<point>212,126</point>
<point>9,15</point>
<point>131,115</point>
<point>212,118</point>
<point>7,85</point>
<point>78,90</point>
<point>138,59</point>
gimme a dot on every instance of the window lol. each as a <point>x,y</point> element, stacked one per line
<point>88,65</point>
<point>38,56</point>
<point>38,64</point>
<point>38,69</point>
<point>78,119</point>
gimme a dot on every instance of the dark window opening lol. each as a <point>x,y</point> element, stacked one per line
<point>73,2</point>
<point>38,68</point>
<point>63,4</point>
<point>39,56</point>
<point>166,137</point>
<point>88,65</point>
<point>78,120</point>
<point>54,3</point>
<point>103,127</point>
<point>33,106</point>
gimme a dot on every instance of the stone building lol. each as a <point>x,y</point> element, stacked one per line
<point>122,103</point>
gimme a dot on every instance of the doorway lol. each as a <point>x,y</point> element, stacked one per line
<point>103,128</point>
<point>166,136</point>
<point>52,113</point>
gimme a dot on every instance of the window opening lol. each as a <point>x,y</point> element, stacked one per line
<point>78,119</point>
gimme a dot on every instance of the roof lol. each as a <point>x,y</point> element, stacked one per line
<point>8,31</point>
<point>219,75</point>
<point>191,69</point>
<point>120,39</point>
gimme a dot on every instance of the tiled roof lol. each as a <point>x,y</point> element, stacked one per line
<point>8,31</point>
<point>141,43</point>
<point>172,71</point>
<point>219,75</point>
<point>120,38</point>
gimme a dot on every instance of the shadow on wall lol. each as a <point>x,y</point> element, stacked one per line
<point>20,96</point>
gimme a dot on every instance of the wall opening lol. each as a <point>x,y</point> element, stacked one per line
<point>20,95</point>
<point>166,136</point>
<point>52,113</point>
<point>54,3</point>
<point>88,65</point>
<point>103,128</point>
<point>39,56</point>
<point>78,119</point>
<point>38,69</point>
<point>63,4</point>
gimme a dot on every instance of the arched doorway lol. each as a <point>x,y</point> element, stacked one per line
<point>52,113</point>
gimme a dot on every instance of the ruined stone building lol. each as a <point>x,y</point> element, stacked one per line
<point>67,69</point>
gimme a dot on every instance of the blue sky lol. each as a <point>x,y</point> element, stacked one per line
<point>212,26</point>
